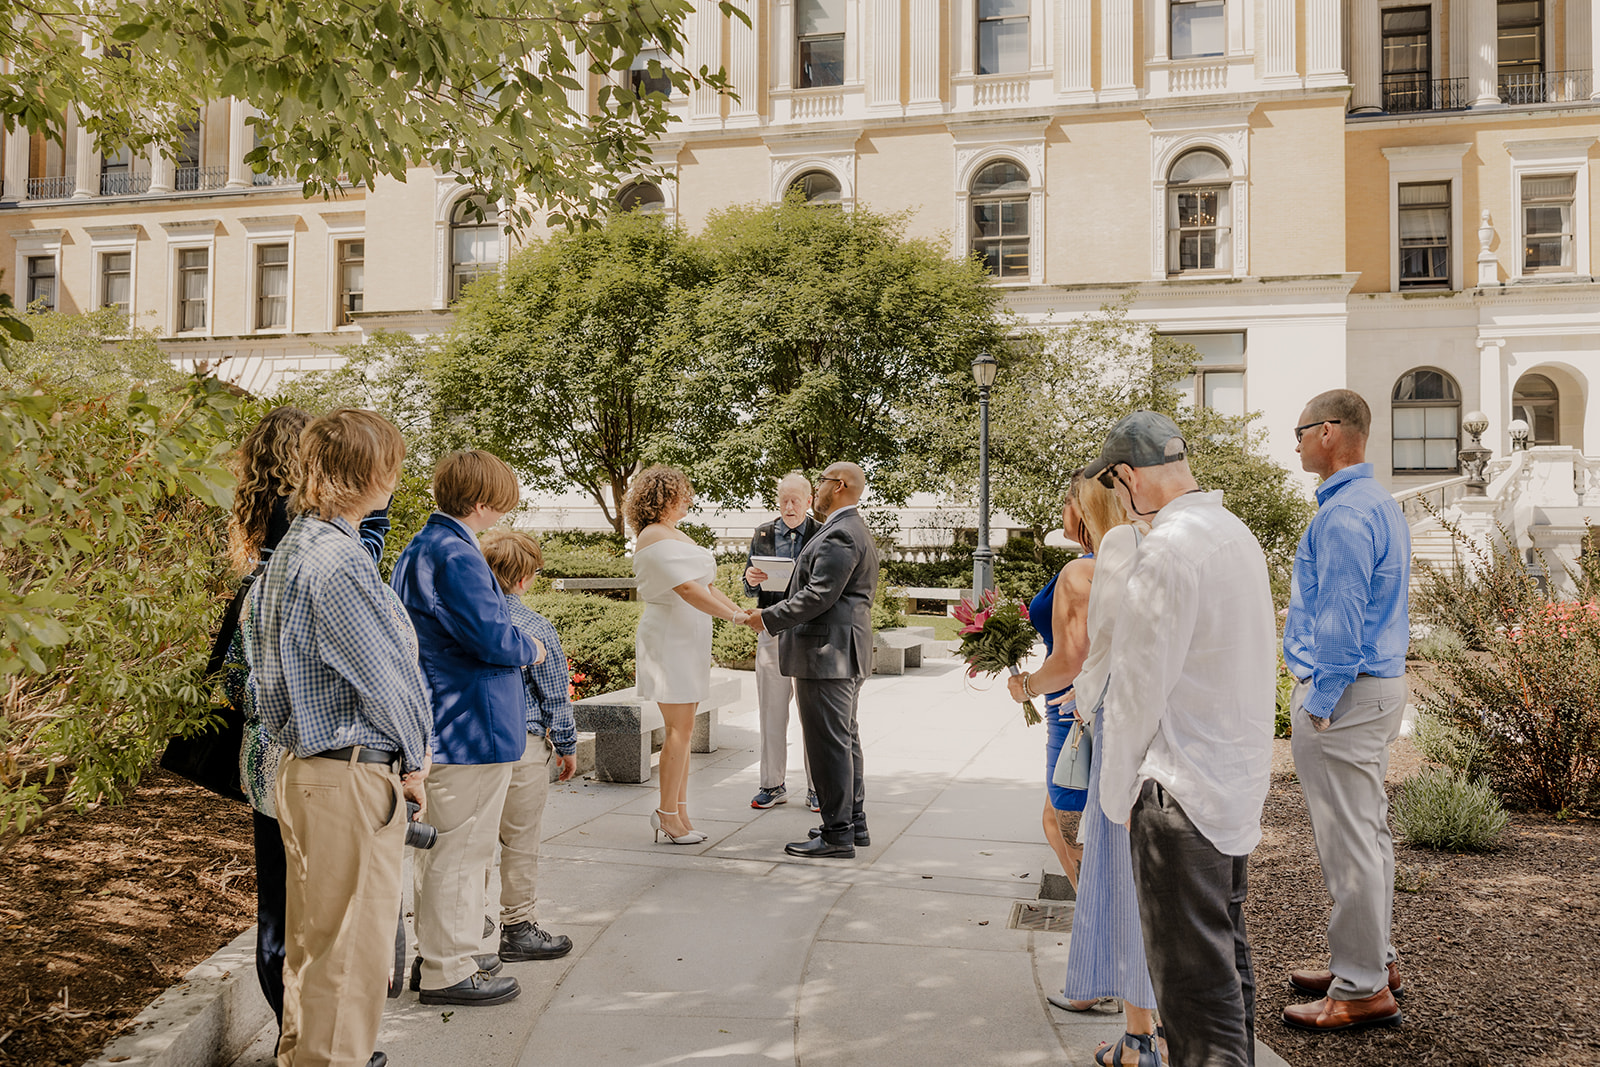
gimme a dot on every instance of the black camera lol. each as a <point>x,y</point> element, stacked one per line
<point>419,834</point>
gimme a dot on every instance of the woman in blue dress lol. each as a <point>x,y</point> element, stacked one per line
<point>1059,613</point>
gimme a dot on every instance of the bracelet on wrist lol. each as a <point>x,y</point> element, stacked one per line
<point>1027,685</point>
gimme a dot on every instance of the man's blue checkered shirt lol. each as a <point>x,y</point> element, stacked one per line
<point>333,657</point>
<point>546,684</point>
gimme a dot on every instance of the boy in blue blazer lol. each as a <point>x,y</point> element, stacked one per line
<point>472,658</point>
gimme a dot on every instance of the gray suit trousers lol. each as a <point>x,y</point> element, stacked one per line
<point>1341,771</point>
<point>833,748</point>
<point>774,690</point>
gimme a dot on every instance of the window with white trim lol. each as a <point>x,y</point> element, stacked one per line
<point>818,188</point>
<point>42,282</point>
<point>1424,214</point>
<point>272,286</point>
<point>1199,28</point>
<point>116,280</point>
<point>194,277</point>
<point>648,73</point>
<point>819,28</point>
<point>1218,382</point>
<point>1547,229</point>
<point>474,243</point>
<point>352,279</point>
<point>642,196</point>
<point>1199,215</point>
<point>1536,401</point>
<point>1000,230</point>
<point>1002,36</point>
<point>1426,409</point>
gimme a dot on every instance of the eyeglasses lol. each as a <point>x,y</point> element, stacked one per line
<point>829,478</point>
<point>1300,431</point>
<point>1105,477</point>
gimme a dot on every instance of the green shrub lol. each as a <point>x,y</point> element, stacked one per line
<point>612,544</point>
<point>563,562</point>
<point>596,634</point>
<point>886,605</point>
<point>732,645</point>
<point>1281,716</point>
<point>700,534</point>
<point>1439,742</point>
<point>1445,809</point>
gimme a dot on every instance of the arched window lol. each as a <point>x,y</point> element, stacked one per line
<point>1199,215</point>
<point>1000,218</point>
<point>1427,422</point>
<point>474,243</point>
<point>819,188</point>
<point>642,196</point>
<point>1537,402</point>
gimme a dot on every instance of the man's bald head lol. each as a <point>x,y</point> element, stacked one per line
<point>839,486</point>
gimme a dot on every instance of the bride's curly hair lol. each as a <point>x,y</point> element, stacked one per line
<point>652,491</point>
<point>267,464</point>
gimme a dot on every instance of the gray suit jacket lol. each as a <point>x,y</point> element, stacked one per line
<point>824,624</point>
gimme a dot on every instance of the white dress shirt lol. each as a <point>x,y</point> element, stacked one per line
<point>1114,558</point>
<point>1193,675</point>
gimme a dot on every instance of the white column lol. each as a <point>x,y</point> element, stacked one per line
<point>1280,42</point>
<point>1324,31</point>
<point>925,18</point>
<point>705,50</point>
<point>744,63</point>
<point>1492,399</point>
<point>1077,46</point>
<point>1594,53</point>
<point>1116,50</point>
<point>578,99</point>
<point>161,171</point>
<point>239,176</point>
<point>1483,53</point>
<point>1366,58</point>
<point>16,177</point>
<point>883,54</point>
<point>87,166</point>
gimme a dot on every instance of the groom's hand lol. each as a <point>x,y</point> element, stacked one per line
<point>752,619</point>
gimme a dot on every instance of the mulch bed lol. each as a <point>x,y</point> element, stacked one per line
<point>100,913</point>
<point>1498,951</point>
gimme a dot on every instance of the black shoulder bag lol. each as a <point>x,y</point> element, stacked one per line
<point>211,758</point>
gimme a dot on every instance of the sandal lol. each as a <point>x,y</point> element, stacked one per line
<point>1143,1044</point>
<point>1059,1000</point>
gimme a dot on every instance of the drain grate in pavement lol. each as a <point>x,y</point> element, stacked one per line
<point>1031,915</point>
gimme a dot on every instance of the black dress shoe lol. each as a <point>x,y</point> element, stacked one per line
<point>379,1059</point>
<point>489,963</point>
<point>477,988</point>
<point>525,941</point>
<point>818,848</point>
<point>863,839</point>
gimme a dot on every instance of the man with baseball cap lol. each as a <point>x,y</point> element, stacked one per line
<point>1187,736</point>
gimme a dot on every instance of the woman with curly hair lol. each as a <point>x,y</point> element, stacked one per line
<point>672,648</point>
<point>267,465</point>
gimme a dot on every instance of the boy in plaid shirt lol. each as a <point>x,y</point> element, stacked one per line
<point>515,559</point>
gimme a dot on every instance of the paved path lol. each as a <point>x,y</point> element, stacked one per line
<point>731,953</point>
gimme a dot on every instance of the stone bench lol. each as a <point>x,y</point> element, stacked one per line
<point>895,650</point>
<point>627,730</point>
<point>951,597</point>
<point>597,585</point>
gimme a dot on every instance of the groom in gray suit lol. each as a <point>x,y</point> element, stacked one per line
<point>824,628</point>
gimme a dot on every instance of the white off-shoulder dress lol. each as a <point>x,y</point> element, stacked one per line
<point>672,648</point>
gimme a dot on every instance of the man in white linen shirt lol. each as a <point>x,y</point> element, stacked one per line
<point>1187,736</point>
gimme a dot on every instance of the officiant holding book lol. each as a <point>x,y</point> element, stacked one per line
<point>782,538</point>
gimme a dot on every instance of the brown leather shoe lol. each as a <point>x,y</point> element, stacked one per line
<point>1329,1014</point>
<point>1317,982</point>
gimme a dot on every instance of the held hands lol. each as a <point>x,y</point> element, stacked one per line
<point>751,619</point>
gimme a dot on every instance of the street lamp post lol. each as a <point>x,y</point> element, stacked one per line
<point>984,369</point>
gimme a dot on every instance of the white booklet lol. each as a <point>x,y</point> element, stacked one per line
<point>778,570</point>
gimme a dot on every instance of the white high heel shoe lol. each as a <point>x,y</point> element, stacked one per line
<point>693,837</point>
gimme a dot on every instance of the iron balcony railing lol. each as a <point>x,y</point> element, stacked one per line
<point>58,187</point>
<point>1546,87</point>
<point>191,179</point>
<point>124,184</point>
<point>1413,92</point>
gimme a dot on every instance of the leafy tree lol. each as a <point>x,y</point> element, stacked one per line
<point>96,353</point>
<point>819,337</point>
<point>568,367</point>
<point>353,89</point>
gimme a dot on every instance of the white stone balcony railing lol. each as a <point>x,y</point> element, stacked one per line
<point>1001,91</point>
<point>814,105</point>
<point>1197,76</point>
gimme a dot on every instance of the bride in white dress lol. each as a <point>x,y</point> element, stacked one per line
<point>672,648</point>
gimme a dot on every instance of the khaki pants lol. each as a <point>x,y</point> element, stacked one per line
<point>520,824</point>
<point>343,827</point>
<point>464,804</point>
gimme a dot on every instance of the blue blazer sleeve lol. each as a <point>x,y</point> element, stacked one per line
<point>469,605</point>
<point>374,531</point>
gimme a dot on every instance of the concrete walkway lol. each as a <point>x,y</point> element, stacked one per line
<point>732,953</point>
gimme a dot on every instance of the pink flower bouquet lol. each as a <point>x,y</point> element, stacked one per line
<point>996,636</point>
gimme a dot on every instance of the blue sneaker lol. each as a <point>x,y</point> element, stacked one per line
<point>767,798</point>
<point>811,800</point>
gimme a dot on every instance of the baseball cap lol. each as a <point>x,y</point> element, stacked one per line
<point>1139,440</point>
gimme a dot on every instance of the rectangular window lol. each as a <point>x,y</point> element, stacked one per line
<point>819,34</point>
<point>186,172</point>
<point>116,280</point>
<point>1522,73</point>
<point>1000,236</point>
<point>1425,438</point>
<point>194,274</point>
<point>42,281</point>
<point>1425,235</point>
<point>1002,36</point>
<point>272,286</point>
<point>1218,382</point>
<point>352,279</point>
<point>640,78</point>
<point>1199,28</point>
<point>1407,59</point>
<point>1547,222</point>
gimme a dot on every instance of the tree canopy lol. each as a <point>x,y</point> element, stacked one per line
<point>494,91</point>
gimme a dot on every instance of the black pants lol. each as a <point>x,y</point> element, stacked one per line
<point>833,745</point>
<point>1191,903</point>
<point>271,879</point>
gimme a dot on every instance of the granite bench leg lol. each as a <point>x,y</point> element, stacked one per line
<point>914,655</point>
<point>622,757</point>
<point>704,738</point>
<point>887,660</point>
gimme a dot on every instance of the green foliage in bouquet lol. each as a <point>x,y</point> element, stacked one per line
<point>996,636</point>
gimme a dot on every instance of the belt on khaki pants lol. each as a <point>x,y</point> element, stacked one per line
<point>358,754</point>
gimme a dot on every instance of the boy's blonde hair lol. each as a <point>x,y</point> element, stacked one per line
<point>513,556</point>
<point>344,456</point>
<point>463,480</point>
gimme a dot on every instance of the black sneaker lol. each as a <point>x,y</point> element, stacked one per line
<point>811,800</point>
<point>520,942</point>
<point>767,798</point>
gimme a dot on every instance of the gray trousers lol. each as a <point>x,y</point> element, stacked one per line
<point>1341,771</point>
<point>773,693</point>
<point>833,737</point>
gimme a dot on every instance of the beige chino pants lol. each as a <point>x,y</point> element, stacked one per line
<point>343,829</point>
<point>464,804</point>
<point>520,830</point>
